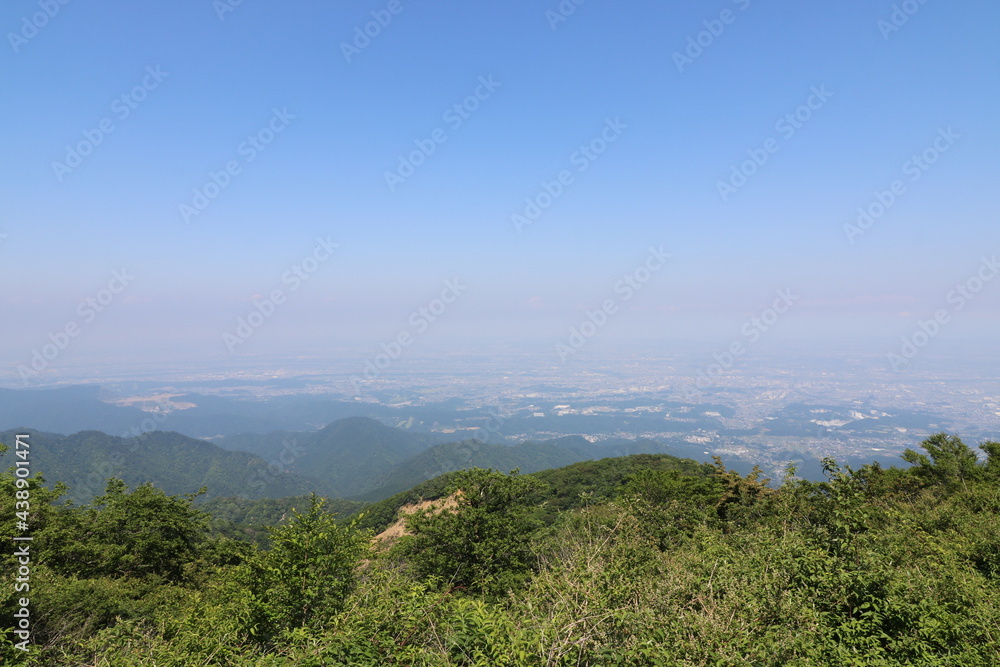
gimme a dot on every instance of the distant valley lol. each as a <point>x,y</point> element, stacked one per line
<point>348,447</point>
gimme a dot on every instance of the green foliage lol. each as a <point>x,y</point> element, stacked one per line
<point>673,505</point>
<point>307,575</point>
<point>248,520</point>
<point>951,461</point>
<point>70,610</point>
<point>662,487</point>
<point>483,542</point>
<point>570,487</point>
<point>590,482</point>
<point>992,465</point>
<point>125,534</point>
<point>84,460</point>
<point>453,456</point>
<point>380,515</point>
<point>647,562</point>
<point>739,494</point>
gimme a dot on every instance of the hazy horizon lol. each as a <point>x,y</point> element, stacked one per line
<point>221,183</point>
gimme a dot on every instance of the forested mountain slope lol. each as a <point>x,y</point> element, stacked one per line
<point>639,561</point>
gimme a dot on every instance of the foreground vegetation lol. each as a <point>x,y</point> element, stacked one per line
<point>635,561</point>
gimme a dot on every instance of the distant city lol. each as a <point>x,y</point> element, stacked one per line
<point>773,409</point>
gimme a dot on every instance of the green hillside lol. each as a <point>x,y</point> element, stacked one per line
<point>356,457</point>
<point>365,460</point>
<point>171,461</point>
<point>352,456</point>
<point>637,561</point>
<point>568,487</point>
<point>452,456</point>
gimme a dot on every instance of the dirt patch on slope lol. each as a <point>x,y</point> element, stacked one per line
<point>398,529</point>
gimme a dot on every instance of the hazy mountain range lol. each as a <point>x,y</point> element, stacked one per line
<point>290,445</point>
<point>355,457</point>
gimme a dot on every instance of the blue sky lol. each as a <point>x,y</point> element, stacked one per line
<point>345,122</point>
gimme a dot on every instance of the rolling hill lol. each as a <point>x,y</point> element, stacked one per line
<point>170,461</point>
<point>352,456</point>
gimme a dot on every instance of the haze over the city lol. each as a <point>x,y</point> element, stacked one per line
<point>219,182</point>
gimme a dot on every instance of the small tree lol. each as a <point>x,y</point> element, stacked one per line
<point>952,463</point>
<point>483,541</point>
<point>125,534</point>
<point>992,466</point>
<point>739,494</point>
<point>308,573</point>
<point>671,504</point>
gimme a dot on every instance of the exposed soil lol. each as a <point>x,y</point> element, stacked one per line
<point>398,529</point>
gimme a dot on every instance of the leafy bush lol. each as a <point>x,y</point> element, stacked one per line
<point>307,575</point>
<point>483,542</point>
